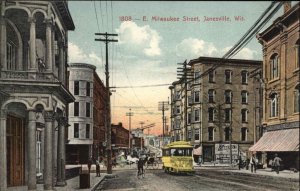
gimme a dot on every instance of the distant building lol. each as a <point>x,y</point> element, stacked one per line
<point>219,107</point>
<point>281,89</point>
<point>80,132</point>
<point>119,138</point>
<point>33,93</point>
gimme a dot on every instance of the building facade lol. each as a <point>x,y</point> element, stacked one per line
<point>80,132</point>
<point>281,69</point>
<point>99,130</point>
<point>219,109</point>
<point>119,139</point>
<point>34,97</point>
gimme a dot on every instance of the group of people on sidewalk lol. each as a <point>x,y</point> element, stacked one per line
<point>253,162</point>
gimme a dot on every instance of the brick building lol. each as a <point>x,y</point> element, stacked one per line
<point>119,138</point>
<point>100,98</point>
<point>220,107</point>
<point>281,102</point>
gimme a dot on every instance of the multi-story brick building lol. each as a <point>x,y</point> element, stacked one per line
<point>99,131</point>
<point>33,97</point>
<point>281,89</point>
<point>220,107</point>
<point>80,132</point>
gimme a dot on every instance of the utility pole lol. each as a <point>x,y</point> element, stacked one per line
<point>142,123</point>
<point>129,114</point>
<point>184,74</point>
<point>163,106</point>
<point>108,110</point>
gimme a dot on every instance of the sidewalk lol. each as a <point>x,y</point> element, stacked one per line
<point>261,172</point>
<point>73,183</point>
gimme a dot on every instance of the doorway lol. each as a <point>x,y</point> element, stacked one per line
<point>15,150</point>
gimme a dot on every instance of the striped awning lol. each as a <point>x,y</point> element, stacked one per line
<point>197,151</point>
<point>278,141</point>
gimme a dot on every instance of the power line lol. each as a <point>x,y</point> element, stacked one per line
<point>143,86</point>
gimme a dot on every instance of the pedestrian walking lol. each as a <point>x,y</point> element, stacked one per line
<point>97,168</point>
<point>240,162</point>
<point>253,164</point>
<point>277,161</point>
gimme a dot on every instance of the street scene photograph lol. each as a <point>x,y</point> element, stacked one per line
<point>149,95</point>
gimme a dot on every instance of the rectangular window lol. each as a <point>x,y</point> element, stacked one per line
<point>244,77</point>
<point>211,77</point>
<point>197,77</point>
<point>189,117</point>
<point>88,110</point>
<point>178,109</point>
<point>211,114</point>
<point>189,135</point>
<point>210,133</point>
<point>197,115</point>
<point>76,130</point>
<point>76,87</point>
<point>197,96</point>
<point>244,97</point>
<point>177,122</point>
<point>228,96</point>
<point>190,101</point>
<point>244,132</point>
<point>211,96</point>
<point>228,74</point>
<point>227,115</point>
<point>11,56</point>
<point>178,95</point>
<point>88,89</point>
<point>87,131</point>
<point>197,137</point>
<point>76,108</point>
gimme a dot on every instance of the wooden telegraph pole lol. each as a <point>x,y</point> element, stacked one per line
<point>108,121</point>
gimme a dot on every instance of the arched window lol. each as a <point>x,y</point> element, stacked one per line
<point>244,113</point>
<point>244,97</point>
<point>274,66</point>
<point>244,131</point>
<point>244,75</point>
<point>210,133</point>
<point>274,105</point>
<point>296,99</point>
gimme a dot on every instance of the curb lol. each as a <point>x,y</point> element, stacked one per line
<point>107,176</point>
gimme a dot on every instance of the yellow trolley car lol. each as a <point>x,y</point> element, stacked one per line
<point>178,158</point>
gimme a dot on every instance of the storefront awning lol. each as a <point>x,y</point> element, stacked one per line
<point>278,141</point>
<point>197,151</point>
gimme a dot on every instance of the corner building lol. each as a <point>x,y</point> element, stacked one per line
<point>80,132</point>
<point>220,108</point>
<point>33,94</point>
<point>281,70</point>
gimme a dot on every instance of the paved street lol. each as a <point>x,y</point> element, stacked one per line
<point>204,179</point>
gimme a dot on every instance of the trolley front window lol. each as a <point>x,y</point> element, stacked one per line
<point>181,151</point>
